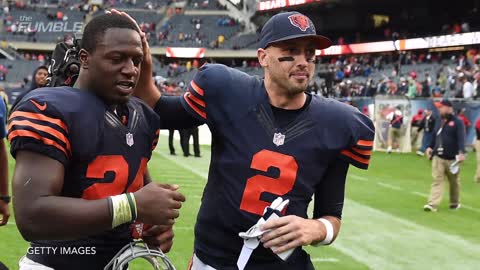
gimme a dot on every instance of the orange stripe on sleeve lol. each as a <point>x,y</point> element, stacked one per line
<point>157,132</point>
<point>197,100</point>
<point>365,143</point>
<point>196,88</point>
<point>355,157</point>
<point>39,116</point>
<point>55,133</point>
<point>31,134</point>
<point>363,152</point>
<point>195,108</point>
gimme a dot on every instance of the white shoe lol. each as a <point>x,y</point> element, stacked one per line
<point>429,208</point>
<point>420,153</point>
<point>389,149</point>
<point>455,206</point>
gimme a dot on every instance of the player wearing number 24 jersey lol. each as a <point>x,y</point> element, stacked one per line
<point>101,156</point>
<point>81,153</point>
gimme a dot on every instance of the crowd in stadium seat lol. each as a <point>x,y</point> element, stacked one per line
<point>416,75</point>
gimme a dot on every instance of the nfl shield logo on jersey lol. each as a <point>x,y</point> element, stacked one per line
<point>129,137</point>
<point>278,139</point>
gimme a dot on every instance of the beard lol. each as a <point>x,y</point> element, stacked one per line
<point>293,87</point>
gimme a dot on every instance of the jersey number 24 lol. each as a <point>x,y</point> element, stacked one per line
<point>118,165</point>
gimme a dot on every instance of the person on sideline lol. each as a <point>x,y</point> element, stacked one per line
<point>446,149</point>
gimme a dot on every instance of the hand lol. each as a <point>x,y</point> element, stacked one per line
<point>290,232</point>
<point>460,157</point>
<point>5,212</point>
<point>159,236</point>
<point>158,204</point>
<point>429,152</point>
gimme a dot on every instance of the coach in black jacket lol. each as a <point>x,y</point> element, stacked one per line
<point>447,147</point>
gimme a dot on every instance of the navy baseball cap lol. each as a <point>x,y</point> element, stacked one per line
<point>290,25</point>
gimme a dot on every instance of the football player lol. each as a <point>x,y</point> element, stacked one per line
<point>270,139</point>
<point>81,158</point>
<point>4,194</point>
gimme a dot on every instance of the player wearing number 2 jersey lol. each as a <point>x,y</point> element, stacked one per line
<point>271,139</point>
<point>81,155</point>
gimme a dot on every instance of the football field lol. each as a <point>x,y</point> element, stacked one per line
<point>384,225</point>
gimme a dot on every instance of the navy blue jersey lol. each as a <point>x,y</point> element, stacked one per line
<point>254,161</point>
<point>102,157</point>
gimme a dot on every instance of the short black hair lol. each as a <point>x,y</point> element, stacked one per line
<point>97,27</point>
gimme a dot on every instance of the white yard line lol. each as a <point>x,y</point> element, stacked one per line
<point>385,185</point>
<point>357,177</point>
<point>324,260</point>
<point>421,194</point>
<point>424,195</point>
<point>383,241</point>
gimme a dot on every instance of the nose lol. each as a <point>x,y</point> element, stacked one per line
<point>302,60</point>
<point>129,68</point>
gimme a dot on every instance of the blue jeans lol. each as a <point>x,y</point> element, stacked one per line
<point>427,138</point>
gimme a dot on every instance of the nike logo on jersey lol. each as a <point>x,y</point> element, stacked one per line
<point>40,107</point>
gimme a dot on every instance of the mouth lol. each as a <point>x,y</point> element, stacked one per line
<point>299,75</point>
<point>126,87</point>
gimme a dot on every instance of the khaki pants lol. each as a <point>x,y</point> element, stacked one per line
<point>477,148</point>
<point>440,169</point>
<point>394,135</point>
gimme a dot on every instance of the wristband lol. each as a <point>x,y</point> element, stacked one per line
<point>329,231</point>
<point>123,208</point>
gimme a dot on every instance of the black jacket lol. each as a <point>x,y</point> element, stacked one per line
<point>450,138</point>
<point>427,125</point>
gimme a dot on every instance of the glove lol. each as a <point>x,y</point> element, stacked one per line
<point>273,211</point>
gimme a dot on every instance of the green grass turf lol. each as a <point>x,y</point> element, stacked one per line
<point>383,217</point>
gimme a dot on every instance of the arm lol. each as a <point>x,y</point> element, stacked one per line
<point>292,231</point>
<point>173,114</point>
<point>461,140</point>
<point>4,210</point>
<point>37,184</point>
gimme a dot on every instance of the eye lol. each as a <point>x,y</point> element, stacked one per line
<point>292,50</point>
<point>116,59</point>
<point>137,61</point>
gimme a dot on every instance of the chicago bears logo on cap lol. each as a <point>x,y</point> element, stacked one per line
<point>300,21</point>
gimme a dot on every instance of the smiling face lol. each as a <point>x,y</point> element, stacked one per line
<point>114,66</point>
<point>289,77</point>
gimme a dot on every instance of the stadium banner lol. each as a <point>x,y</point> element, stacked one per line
<point>274,4</point>
<point>404,44</point>
<point>386,110</point>
<point>176,52</point>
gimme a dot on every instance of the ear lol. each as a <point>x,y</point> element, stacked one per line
<point>262,57</point>
<point>84,57</point>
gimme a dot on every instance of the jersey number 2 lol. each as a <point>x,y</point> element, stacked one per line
<point>258,184</point>
<point>119,166</point>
